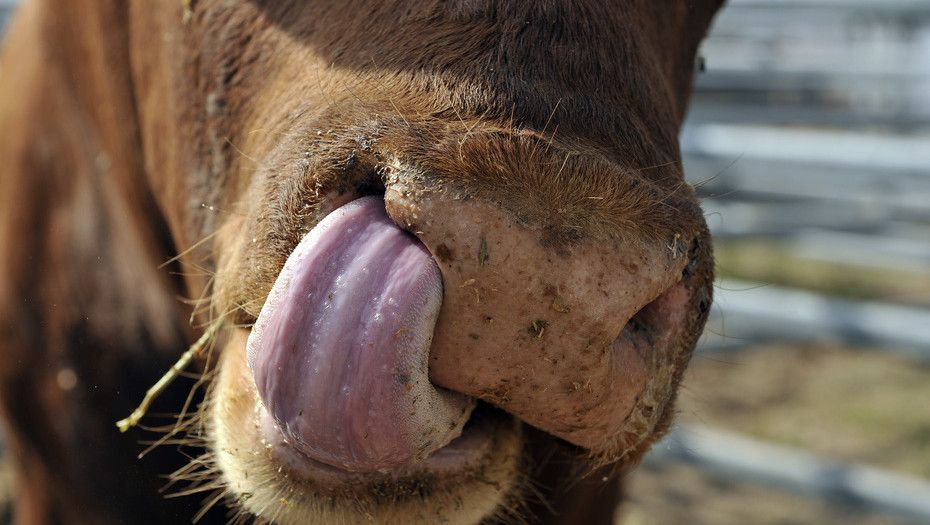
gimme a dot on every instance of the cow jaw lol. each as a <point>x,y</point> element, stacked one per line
<point>464,482</point>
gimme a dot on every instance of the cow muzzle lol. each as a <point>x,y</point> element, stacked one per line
<point>396,312</point>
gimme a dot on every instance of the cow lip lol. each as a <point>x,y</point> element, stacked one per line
<point>466,452</point>
<point>268,479</point>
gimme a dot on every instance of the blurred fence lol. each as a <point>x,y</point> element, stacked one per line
<point>811,126</point>
<point>6,6</point>
<point>837,62</point>
<point>736,457</point>
<point>811,129</point>
<point>748,313</point>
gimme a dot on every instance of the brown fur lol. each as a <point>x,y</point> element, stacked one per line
<point>129,135</point>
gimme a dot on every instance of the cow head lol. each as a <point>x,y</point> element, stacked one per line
<point>435,235</point>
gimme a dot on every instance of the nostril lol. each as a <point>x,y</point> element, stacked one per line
<point>694,259</point>
<point>659,322</point>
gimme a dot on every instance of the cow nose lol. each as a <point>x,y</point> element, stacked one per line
<point>568,334</point>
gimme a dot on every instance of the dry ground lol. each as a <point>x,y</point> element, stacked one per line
<point>680,494</point>
<point>850,405</point>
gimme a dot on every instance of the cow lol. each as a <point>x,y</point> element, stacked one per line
<point>435,261</point>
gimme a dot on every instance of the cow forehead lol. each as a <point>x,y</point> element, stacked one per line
<point>593,64</point>
<point>610,76</point>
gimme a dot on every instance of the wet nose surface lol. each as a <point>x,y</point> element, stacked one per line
<point>564,335</point>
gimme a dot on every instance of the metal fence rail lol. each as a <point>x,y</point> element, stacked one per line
<point>819,61</point>
<point>744,459</point>
<point>6,10</point>
<point>811,127</point>
<point>747,312</point>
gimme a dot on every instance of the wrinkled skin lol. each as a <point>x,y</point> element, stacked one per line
<point>530,147</point>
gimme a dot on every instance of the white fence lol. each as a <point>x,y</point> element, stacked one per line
<point>811,127</point>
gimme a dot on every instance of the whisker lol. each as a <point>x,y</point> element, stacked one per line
<point>240,152</point>
<point>188,250</point>
<point>220,493</point>
<point>548,120</point>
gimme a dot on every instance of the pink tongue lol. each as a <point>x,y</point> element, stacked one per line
<point>340,350</point>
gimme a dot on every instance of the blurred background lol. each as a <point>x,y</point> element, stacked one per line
<point>809,398</point>
<point>5,480</point>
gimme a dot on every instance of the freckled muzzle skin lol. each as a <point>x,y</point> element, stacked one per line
<point>542,327</point>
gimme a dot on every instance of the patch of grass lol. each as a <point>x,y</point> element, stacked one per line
<point>858,406</point>
<point>772,262</point>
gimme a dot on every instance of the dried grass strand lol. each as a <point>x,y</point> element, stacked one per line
<point>156,390</point>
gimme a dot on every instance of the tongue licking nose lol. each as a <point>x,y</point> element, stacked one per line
<point>340,350</point>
